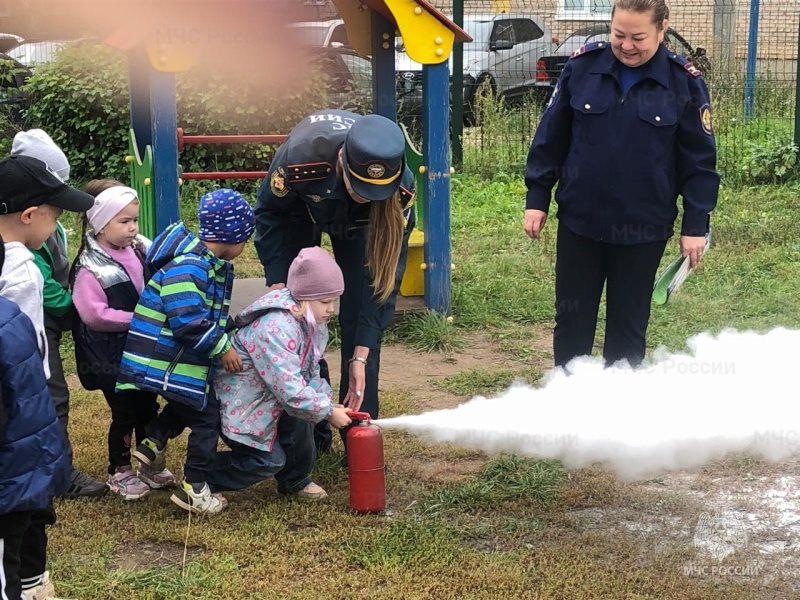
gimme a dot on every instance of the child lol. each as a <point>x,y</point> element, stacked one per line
<point>34,465</point>
<point>52,261</point>
<point>108,279</point>
<point>31,200</point>
<point>177,332</point>
<point>268,408</point>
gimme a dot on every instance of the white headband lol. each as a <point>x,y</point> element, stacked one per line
<point>108,205</point>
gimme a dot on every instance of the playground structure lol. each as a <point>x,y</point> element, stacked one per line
<point>163,38</point>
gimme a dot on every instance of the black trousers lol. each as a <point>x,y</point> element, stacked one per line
<point>131,412</point>
<point>201,446</point>
<point>23,548</point>
<point>57,384</point>
<point>583,267</point>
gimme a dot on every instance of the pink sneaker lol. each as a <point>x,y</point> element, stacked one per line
<point>156,479</point>
<point>125,483</point>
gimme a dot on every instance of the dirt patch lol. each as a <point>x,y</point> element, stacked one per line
<point>148,555</point>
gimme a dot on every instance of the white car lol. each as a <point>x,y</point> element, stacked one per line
<point>504,54</point>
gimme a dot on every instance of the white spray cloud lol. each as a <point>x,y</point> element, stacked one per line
<point>734,392</point>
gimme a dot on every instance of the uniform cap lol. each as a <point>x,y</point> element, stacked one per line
<point>374,157</point>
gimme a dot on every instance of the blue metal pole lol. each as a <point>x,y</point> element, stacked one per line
<point>435,147</point>
<point>165,148</point>
<point>752,53</point>
<point>384,93</point>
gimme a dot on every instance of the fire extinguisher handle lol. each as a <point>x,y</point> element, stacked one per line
<point>359,416</point>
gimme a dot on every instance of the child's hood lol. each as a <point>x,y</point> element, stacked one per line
<point>273,300</point>
<point>15,265</point>
<point>176,241</point>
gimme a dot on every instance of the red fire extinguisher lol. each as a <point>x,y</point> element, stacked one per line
<point>365,467</point>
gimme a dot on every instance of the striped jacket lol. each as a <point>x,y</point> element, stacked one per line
<point>178,327</point>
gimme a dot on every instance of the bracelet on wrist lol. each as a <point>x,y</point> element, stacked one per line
<point>358,359</point>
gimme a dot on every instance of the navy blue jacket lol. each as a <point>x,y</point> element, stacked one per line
<point>621,160</point>
<point>34,465</point>
<point>303,196</point>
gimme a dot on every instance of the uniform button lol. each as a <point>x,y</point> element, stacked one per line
<point>587,106</point>
<point>658,118</point>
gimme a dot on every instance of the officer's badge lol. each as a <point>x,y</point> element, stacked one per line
<point>315,197</point>
<point>705,119</point>
<point>277,182</point>
<point>376,170</point>
<point>579,51</point>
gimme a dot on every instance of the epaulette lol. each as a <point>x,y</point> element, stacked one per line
<point>309,171</point>
<point>588,48</point>
<point>685,64</point>
<point>406,197</point>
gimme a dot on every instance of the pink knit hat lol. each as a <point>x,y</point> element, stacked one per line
<point>314,275</point>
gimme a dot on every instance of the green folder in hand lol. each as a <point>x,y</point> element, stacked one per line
<point>673,276</point>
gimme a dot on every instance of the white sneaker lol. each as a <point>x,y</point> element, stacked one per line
<point>201,503</point>
<point>43,591</point>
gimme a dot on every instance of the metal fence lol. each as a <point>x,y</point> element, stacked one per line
<point>746,49</point>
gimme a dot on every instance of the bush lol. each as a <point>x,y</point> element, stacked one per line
<point>81,99</point>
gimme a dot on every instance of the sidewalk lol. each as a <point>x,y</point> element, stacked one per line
<point>248,290</point>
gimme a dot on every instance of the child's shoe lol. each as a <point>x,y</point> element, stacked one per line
<point>148,453</point>
<point>201,502</point>
<point>311,492</point>
<point>156,479</point>
<point>125,483</point>
<point>43,591</point>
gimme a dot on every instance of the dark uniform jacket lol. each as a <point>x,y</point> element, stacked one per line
<point>303,195</point>
<point>621,160</point>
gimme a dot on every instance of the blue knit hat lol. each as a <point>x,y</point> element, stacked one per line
<point>226,217</point>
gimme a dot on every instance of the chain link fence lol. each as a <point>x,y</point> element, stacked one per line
<point>746,50</point>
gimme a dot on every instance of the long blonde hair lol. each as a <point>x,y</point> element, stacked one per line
<point>385,241</point>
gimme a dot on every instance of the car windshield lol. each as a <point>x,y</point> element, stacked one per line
<point>311,35</point>
<point>39,52</point>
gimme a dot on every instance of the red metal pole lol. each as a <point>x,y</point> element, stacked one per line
<point>232,139</point>
<point>226,175</point>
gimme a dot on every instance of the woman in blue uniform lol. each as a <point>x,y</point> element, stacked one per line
<point>343,174</point>
<point>626,131</point>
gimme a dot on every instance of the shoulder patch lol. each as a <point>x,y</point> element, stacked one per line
<point>589,48</point>
<point>277,182</point>
<point>309,171</point>
<point>705,119</point>
<point>686,64</point>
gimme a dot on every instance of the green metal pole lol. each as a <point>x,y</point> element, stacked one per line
<point>457,88</point>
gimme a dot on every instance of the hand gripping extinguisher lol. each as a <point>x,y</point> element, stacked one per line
<point>366,471</point>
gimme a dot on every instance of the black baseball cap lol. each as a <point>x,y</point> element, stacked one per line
<point>374,157</point>
<point>26,182</point>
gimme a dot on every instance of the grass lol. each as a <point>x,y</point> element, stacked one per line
<point>461,524</point>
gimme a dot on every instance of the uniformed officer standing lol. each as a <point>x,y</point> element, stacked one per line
<point>343,174</point>
<point>627,129</point>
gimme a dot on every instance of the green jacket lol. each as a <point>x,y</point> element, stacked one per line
<point>53,262</point>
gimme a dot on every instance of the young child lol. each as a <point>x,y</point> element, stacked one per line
<point>33,455</point>
<point>268,408</point>
<point>108,279</point>
<point>53,262</point>
<point>178,330</point>
<point>31,200</point>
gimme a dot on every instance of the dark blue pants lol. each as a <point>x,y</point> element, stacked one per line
<point>291,460</point>
<point>583,267</point>
<point>202,443</point>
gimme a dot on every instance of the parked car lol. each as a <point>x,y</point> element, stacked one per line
<point>502,56</point>
<point>31,54</point>
<point>9,41</point>
<point>549,67</point>
<point>322,33</point>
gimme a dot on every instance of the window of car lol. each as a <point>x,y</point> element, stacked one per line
<point>525,30</point>
<point>339,36</point>
<point>676,44</point>
<point>503,31</point>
